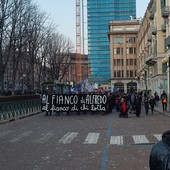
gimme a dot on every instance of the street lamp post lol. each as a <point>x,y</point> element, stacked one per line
<point>23,81</point>
<point>144,75</point>
<point>169,82</point>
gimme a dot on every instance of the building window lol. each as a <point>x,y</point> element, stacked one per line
<point>131,50</point>
<point>118,74</point>
<point>127,62</point>
<point>134,50</point>
<point>122,62</point>
<point>131,73</point>
<point>164,67</point>
<point>131,62</point>
<point>130,40</point>
<point>117,40</point>
<point>135,73</point>
<point>127,73</point>
<point>114,51</point>
<point>135,62</point>
<point>114,73</point>
<point>118,62</point>
<point>122,51</point>
<point>122,73</point>
<point>114,62</point>
<point>118,51</point>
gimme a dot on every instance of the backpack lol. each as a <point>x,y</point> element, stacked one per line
<point>164,100</point>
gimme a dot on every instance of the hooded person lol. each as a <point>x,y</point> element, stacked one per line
<point>160,153</point>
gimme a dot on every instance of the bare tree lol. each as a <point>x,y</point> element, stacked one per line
<point>5,14</point>
<point>58,56</point>
<point>28,47</point>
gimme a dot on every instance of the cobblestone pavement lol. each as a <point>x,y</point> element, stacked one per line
<point>84,142</point>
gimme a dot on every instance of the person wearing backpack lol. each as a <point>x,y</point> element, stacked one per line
<point>164,101</point>
<point>160,153</point>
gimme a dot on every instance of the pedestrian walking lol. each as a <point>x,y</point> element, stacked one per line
<point>156,98</point>
<point>123,108</point>
<point>164,101</point>
<point>117,102</point>
<point>110,103</point>
<point>132,102</point>
<point>138,104</point>
<point>146,104</point>
<point>127,98</point>
<point>152,103</point>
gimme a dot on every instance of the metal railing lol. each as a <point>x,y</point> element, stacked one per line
<point>16,109</point>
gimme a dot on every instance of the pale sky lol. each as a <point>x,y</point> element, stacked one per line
<point>63,14</point>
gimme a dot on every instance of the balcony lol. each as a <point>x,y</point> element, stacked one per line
<point>163,27</point>
<point>151,15</point>
<point>165,12</point>
<point>154,30</point>
<point>168,41</point>
<point>151,60</point>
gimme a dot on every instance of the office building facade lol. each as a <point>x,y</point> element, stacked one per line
<point>99,15</point>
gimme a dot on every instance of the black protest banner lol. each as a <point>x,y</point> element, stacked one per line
<point>76,102</point>
<point>46,102</point>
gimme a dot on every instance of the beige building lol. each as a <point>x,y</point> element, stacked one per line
<point>152,73</point>
<point>166,16</point>
<point>123,55</point>
<point>140,50</point>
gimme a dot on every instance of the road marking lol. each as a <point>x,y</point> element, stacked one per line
<point>45,138</point>
<point>5,133</point>
<point>158,136</point>
<point>140,139</point>
<point>68,137</point>
<point>92,138</point>
<point>17,138</point>
<point>116,140</point>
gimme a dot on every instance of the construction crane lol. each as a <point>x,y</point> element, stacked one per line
<point>78,76</point>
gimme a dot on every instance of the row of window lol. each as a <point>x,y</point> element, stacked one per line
<point>119,40</point>
<point>120,62</point>
<point>115,13</point>
<point>121,74</point>
<point>129,50</point>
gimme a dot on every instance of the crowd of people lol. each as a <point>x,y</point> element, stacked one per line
<point>131,103</point>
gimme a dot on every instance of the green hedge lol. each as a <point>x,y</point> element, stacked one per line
<point>18,97</point>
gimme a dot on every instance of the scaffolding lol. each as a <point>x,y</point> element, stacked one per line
<point>78,42</point>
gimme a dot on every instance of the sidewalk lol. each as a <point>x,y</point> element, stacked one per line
<point>158,108</point>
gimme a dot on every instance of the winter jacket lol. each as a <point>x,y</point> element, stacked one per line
<point>159,151</point>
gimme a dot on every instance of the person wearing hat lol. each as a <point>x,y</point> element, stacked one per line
<point>160,153</point>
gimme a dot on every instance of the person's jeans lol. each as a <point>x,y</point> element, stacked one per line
<point>164,106</point>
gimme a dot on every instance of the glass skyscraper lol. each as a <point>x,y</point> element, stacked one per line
<point>99,15</point>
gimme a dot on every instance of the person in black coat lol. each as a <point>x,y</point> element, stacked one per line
<point>146,104</point>
<point>159,152</point>
<point>152,103</point>
<point>164,98</point>
<point>138,104</point>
